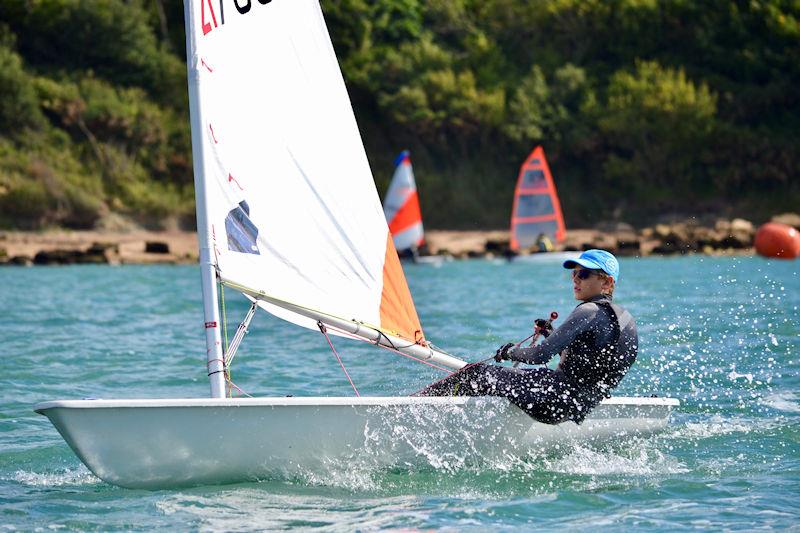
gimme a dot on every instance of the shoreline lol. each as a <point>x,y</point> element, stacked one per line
<point>61,246</point>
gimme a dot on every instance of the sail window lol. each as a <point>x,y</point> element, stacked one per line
<point>534,205</point>
<point>528,233</point>
<point>534,179</point>
<point>242,233</point>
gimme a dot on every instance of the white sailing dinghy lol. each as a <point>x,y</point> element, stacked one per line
<point>403,214</point>
<point>288,214</point>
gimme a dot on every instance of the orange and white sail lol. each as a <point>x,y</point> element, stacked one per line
<point>536,210</point>
<point>285,195</point>
<point>401,206</point>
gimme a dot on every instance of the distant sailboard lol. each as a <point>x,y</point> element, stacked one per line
<point>401,206</point>
<point>536,211</point>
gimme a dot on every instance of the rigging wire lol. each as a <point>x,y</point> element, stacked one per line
<point>232,384</point>
<point>324,331</point>
<point>224,315</point>
<point>225,362</point>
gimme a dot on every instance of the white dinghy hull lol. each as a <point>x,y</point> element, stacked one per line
<point>546,257</point>
<point>167,443</point>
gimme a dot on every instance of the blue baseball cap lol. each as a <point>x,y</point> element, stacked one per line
<point>597,260</point>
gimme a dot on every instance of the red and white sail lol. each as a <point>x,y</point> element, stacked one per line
<point>285,195</point>
<point>536,210</point>
<point>401,206</point>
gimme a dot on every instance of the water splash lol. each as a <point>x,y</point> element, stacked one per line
<point>636,460</point>
<point>68,477</point>
<point>718,425</point>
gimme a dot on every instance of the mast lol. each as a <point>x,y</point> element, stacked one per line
<point>211,320</point>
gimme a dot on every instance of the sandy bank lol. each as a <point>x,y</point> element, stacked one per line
<point>141,247</point>
<point>176,247</point>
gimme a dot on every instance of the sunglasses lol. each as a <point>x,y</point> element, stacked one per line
<point>584,273</point>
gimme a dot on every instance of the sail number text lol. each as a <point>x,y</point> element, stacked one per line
<point>209,20</point>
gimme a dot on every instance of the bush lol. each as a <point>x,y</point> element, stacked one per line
<point>19,106</point>
<point>656,122</point>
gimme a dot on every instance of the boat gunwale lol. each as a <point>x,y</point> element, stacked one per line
<point>320,401</point>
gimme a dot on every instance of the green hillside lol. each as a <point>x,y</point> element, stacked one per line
<point>644,107</point>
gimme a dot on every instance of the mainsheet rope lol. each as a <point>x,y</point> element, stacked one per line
<point>535,335</point>
<point>321,326</point>
<point>324,331</point>
<point>394,350</point>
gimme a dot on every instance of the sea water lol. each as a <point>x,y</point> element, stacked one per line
<point>720,334</point>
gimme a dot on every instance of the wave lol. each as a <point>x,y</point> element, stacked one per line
<point>717,425</point>
<point>782,401</point>
<point>241,508</point>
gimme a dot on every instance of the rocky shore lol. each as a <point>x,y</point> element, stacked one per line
<point>63,247</point>
<point>722,237</point>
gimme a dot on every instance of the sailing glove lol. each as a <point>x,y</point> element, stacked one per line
<point>504,352</point>
<point>545,327</point>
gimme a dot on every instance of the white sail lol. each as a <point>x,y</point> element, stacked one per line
<point>291,205</point>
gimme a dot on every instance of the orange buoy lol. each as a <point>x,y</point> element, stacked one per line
<point>777,240</point>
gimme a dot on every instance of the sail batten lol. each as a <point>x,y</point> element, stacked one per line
<point>289,204</point>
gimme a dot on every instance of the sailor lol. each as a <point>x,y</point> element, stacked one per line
<point>543,243</point>
<point>597,345</point>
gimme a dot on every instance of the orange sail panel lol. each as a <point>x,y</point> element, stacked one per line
<point>536,210</point>
<point>407,216</point>
<point>398,313</point>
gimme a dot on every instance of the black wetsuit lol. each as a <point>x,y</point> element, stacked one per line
<point>598,344</point>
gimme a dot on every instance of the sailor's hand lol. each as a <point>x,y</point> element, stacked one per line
<point>543,327</point>
<point>502,353</point>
